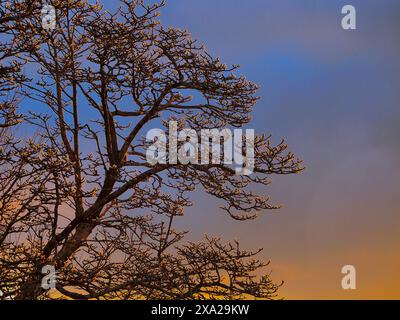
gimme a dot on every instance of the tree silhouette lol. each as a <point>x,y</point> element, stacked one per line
<point>79,194</point>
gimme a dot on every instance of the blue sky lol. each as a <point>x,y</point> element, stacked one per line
<point>334,95</point>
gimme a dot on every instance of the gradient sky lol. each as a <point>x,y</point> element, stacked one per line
<point>334,95</point>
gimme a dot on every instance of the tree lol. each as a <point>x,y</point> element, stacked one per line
<point>86,200</point>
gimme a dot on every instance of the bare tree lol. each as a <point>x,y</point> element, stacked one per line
<point>86,200</point>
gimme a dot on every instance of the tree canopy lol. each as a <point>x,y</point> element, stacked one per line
<point>78,193</point>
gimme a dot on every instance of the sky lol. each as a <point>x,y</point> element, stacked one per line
<point>334,95</point>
